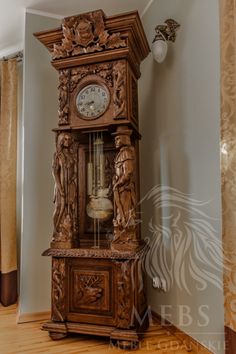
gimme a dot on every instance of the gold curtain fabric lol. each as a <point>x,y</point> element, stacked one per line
<point>8,151</point>
<point>228,154</point>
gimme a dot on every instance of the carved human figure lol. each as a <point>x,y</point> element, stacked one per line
<point>65,175</point>
<point>123,183</point>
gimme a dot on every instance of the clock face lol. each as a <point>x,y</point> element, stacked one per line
<point>92,101</point>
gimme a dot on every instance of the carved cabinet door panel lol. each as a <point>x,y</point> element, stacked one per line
<point>91,297</point>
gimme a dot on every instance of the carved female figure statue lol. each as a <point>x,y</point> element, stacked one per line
<point>123,183</point>
<point>65,175</point>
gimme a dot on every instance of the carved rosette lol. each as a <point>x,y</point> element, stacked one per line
<point>58,289</point>
<point>65,175</point>
<point>86,34</point>
<point>119,95</point>
<point>104,71</point>
<point>64,82</point>
<point>124,288</point>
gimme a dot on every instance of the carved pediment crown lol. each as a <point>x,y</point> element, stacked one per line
<point>86,34</point>
<point>93,37</point>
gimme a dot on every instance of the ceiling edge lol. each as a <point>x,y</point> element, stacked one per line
<point>42,13</point>
<point>146,8</point>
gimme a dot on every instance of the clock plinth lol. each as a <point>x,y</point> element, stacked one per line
<point>97,252</point>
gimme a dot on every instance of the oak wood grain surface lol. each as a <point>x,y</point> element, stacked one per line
<point>29,338</point>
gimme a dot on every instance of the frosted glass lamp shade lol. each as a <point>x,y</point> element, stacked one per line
<point>159,50</point>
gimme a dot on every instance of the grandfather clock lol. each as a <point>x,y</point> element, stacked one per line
<point>96,247</point>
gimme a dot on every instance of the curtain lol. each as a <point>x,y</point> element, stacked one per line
<point>8,148</point>
<point>228,164</point>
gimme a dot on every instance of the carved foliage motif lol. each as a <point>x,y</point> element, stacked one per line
<point>103,70</point>
<point>119,96</point>
<point>86,34</point>
<point>124,294</point>
<point>134,99</point>
<point>58,289</point>
<point>138,266</point>
<point>65,176</point>
<point>89,289</point>
<point>64,80</point>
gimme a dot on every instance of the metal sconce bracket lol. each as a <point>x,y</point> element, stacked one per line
<point>164,33</point>
<point>167,31</point>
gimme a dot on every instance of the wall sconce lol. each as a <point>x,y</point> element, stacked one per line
<point>164,33</point>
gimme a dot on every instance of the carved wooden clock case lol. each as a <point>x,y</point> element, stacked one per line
<point>96,248</point>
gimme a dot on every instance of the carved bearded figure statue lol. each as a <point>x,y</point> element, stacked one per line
<point>123,183</point>
<point>65,175</point>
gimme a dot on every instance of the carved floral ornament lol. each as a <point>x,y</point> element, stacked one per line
<point>86,34</point>
<point>105,71</point>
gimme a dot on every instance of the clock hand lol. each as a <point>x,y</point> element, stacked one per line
<point>89,103</point>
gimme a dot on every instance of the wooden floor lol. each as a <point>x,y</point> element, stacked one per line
<point>29,338</point>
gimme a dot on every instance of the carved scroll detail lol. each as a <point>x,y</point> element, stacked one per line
<point>65,175</point>
<point>86,34</point>
<point>89,289</point>
<point>124,294</point>
<point>119,96</point>
<point>124,190</point>
<point>64,80</point>
<point>103,70</point>
<point>58,289</point>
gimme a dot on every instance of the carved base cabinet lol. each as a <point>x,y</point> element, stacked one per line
<point>100,293</point>
<point>96,247</point>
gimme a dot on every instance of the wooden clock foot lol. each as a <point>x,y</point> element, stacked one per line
<point>57,336</point>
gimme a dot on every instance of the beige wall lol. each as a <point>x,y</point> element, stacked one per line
<point>39,117</point>
<point>180,125</point>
